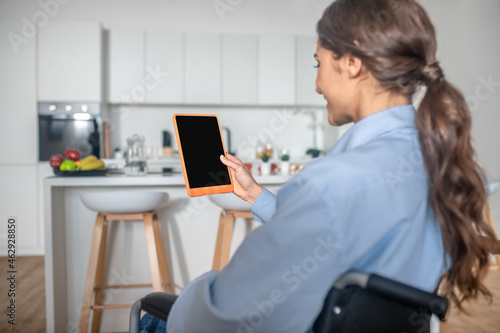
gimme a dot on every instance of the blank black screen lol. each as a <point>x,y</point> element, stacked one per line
<point>201,145</point>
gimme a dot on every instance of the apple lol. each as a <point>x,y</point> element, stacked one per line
<point>72,154</point>
<point>67,165</point>
<point>56,160</point>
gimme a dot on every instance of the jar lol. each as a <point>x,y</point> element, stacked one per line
<point>268,149</point>
<point>135,161</point>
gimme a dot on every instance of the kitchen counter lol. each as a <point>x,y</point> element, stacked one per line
<point>148,180</point>
<point>188,227</point>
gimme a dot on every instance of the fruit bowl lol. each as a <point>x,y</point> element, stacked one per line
<point>80,173</point>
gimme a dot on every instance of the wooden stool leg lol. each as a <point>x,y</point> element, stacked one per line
<point>227,236</point>
<point>91,273</point>
<point>167,286</point>
<point>152,252</point>
<point>99,281</point>
<point>218,242</point>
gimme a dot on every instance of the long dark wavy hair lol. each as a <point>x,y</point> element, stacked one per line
<point>396,43</point>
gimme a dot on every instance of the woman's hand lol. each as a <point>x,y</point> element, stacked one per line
<point>244,185</point>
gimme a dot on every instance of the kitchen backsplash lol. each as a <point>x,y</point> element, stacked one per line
<point>296,130</point>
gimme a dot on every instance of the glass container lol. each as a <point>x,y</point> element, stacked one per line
<point>135,161</point>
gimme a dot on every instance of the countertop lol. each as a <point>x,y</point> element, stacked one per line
<point>148,180</point>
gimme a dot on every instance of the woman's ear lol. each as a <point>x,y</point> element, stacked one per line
<point>353,65</point>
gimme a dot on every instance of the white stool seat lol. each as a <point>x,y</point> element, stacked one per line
<point>123,202</point>
<point>229,201</point>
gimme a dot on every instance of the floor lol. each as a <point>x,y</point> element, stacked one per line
<point>483,317</point>
<point>29,295</point>
<point>30,302</point>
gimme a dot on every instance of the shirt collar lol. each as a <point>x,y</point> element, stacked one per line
<point>375,125</point>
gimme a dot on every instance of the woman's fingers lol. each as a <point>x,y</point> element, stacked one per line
<point>234,159</point>
<point>237,161</point>
<point>244,185</point>
<point>233,162</point>
<point>228,162</point>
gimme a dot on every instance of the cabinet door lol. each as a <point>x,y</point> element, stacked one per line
<point>239,69</point>
<point>19,200</point>
<point>69,62</point>
<point>44,170</point>
<point>126,67</point>
<point>306,73</point>
<point>276,70</point>
<point>203,68</point>
<point>18,128</point>
<point>164,67</point>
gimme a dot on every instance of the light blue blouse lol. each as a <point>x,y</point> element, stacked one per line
<point>364,205</point>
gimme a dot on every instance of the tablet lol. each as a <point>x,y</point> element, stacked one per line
<point>200,145</point>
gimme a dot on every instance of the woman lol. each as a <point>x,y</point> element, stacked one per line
<point>400,194</point>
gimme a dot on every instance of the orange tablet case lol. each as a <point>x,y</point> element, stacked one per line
<point>199,191</point>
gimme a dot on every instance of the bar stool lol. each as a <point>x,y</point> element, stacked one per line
<point>121,206</point>
<point>232,208</point>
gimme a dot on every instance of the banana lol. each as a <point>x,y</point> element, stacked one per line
<point>93,165</point>
<point>86,160</point>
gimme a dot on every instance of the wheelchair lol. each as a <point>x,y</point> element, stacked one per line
<point>358,302</point>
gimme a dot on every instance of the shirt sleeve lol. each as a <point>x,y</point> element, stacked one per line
<point>264,206</point>
<point>277,279</point>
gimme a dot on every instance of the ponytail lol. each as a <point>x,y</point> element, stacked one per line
<point>457,192</point>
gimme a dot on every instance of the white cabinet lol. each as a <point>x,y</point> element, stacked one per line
<point>69,62</point>
<point>164,67</point>
<point>239,69</point>
<point>18,134</point>
<point>277,70</point>
<point>18,195</point>
<point>203,68</point>
<point>126,67</point>
<point>44,170</point>
<point>18,128</point>
<point>306,73</point>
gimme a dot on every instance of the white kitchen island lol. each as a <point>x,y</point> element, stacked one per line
<point>189,230</point>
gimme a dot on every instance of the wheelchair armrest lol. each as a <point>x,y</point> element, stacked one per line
<point>432,302</point>
<point>158,304</point>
